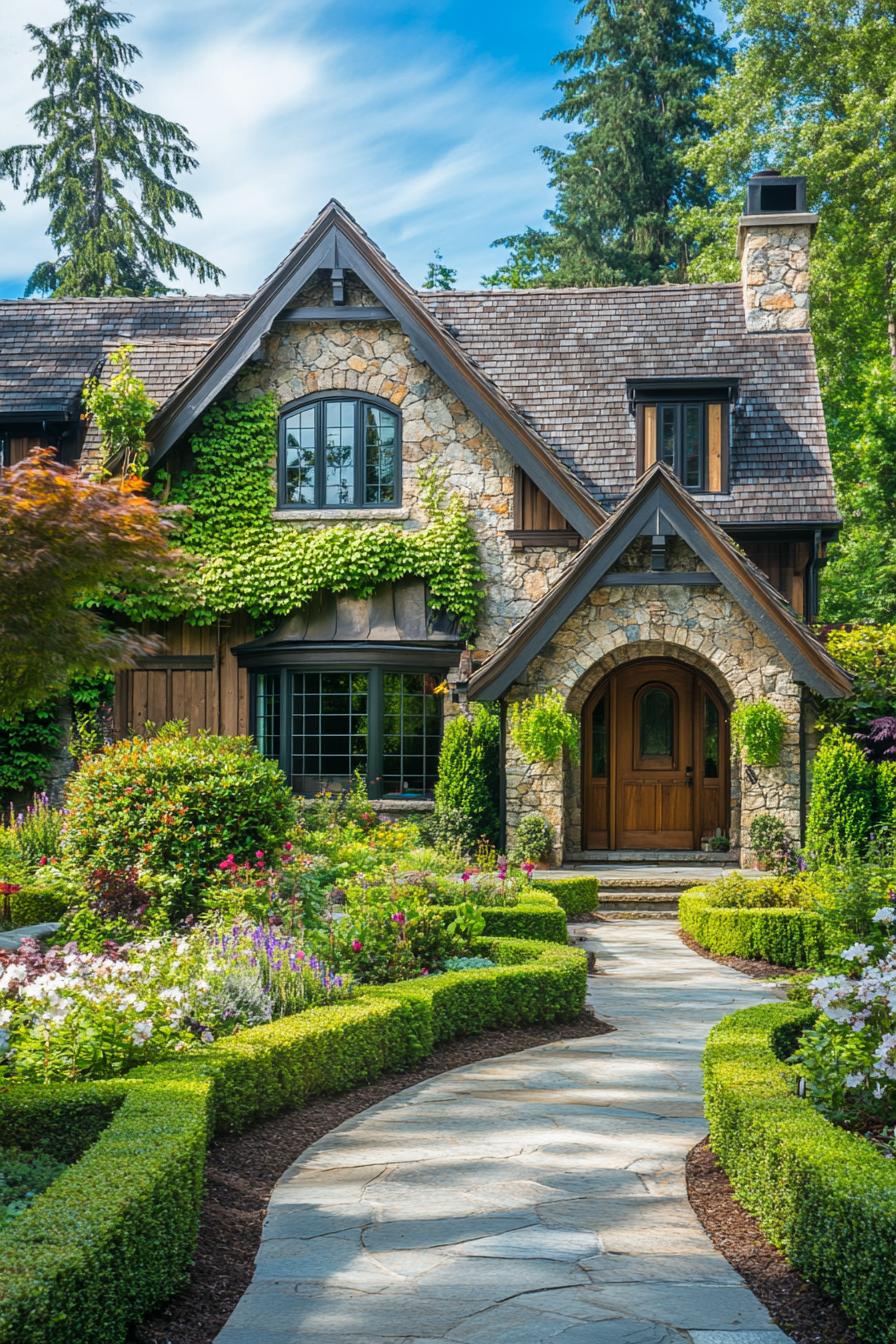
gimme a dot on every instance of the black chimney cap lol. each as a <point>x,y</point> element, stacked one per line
<point>768,193</point>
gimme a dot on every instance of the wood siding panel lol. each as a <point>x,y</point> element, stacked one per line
<point>785,563</point>
<point>714,447</point>
<point>533,511</point>
<point>213,697</point>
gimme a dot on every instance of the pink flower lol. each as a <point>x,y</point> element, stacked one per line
<point>528,868</point>
<point>259,853</point>
<point>288,846</point>
<point>41,861</point>
<point>398,917</point>
<point>356,945</point>
<point>466,875</point>
<point>424,971</point>
<point>300,955</point>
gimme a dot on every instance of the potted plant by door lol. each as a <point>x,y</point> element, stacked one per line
<point>533,842</point>
<point>717,843</point>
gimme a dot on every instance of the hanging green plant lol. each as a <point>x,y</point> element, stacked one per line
<point>757,732</point>
<point>246,560</point>
<point>541,727</point>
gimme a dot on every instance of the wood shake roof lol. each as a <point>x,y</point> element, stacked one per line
<point>545,369</point>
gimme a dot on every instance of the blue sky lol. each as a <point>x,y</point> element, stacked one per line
<point>420,117</point>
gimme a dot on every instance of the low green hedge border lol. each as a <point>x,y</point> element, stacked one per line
<point>537,916</point>
<point>32,904</point>
<point>577,895</point>
<point>826,1198</point>
<point>114,1235</point>
<point>787,936</point>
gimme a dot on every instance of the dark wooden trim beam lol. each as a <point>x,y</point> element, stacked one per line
<point>696,578</point>
<point>176,662</point>
<point>334,314</point>
<point>522,538</point>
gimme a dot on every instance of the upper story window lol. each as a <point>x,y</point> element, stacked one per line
<point>339,452</point>
<point>687,429</point>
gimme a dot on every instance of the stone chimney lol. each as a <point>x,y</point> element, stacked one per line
<point>773,239</point>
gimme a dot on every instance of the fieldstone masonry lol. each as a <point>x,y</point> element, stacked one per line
<point>376,358</point>
<point>774,261</point>
<point>702,626</point>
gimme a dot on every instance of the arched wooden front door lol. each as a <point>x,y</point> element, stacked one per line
<point>654,759</point>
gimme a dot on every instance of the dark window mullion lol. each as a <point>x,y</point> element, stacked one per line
<point>359,454</point>
<point>320,484</point>
<point>286,713</point>
<point>375,713</point>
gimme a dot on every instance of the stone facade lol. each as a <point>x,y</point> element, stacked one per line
<point>703,627</point>
<point>300,358</point>
<point>774,262</point>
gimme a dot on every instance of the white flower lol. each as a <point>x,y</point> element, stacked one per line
<point>172,995</point>
<point>5,1017</point>
<point>885,916</point>
<point>207,1037</point>
<point>855,1079</point>
<point>858,952</point>
<point>141,1031</point>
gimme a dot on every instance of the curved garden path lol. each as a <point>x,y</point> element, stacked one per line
<point>536,1197</point>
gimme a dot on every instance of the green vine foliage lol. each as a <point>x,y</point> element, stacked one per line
<point>757,732</point>
<point>246,560</point>
<point>121,410</point>
<point>542,726</point>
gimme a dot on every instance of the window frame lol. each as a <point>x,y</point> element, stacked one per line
<point>376,672</point>
<point>318,401</point>
<point>679,400</point>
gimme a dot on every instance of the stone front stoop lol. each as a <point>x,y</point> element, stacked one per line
<point>534,1198</point>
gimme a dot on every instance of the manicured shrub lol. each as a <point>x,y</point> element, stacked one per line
<point>178,805</point>
<point>766,929</point>
<point>533,840</point>
<point>824,1197</point>
<point>468,788</point>
<point>843,803</point>
<point>577,895</point>
<point>114,1235</point>
<point>542,727</point>
<point>38,899</point>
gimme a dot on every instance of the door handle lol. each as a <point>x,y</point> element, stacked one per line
<point>689,776</point>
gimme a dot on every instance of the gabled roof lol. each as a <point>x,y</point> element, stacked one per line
<point>660,504</point>
<point>49,346</point>
<point>336,240</point>
<point>564,356</point>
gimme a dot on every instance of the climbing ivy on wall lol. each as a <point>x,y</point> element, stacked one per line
<point>245,560</point>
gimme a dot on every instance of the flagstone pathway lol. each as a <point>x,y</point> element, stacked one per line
<point>533,1198</point>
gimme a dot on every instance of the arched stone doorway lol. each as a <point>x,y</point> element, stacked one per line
<point>655,758</point>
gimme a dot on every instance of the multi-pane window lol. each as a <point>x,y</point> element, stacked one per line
<point>329,729</point>
<point>339,452</point>
<point>383,723</point>
<point>412,731</point>
<point>267,713</point>
<point>688,436</point>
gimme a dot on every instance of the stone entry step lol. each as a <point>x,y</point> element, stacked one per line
<point>676,857</point>
<point>647,897</point>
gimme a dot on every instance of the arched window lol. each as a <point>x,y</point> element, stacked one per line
<point>339,452</point>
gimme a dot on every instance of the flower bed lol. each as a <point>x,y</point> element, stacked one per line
<point>113,1236</point>
<point>825,1197</point>
<point>756,919</point>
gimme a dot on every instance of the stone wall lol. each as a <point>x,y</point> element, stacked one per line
<point>703,627</point>
<point>375,357</point>
<point>775,276</point>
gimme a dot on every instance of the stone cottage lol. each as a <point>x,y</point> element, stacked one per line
<point>646,471</point>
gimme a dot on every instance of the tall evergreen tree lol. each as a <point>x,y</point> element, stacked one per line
<point>107,168</point>
<point>634,80</point>
<point>813,91</point>
<point>438,275</point>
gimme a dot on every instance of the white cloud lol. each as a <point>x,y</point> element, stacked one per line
<point>425,143</point>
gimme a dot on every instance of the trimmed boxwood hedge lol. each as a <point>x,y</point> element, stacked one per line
<point>113,1236</point>
<point>33,903</point>
<point>788,936</point>
<point>538,915</point>
<point>577,895</point>
<point>826,1198</point>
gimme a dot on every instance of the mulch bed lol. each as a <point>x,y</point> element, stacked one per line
<point>801,1310</point>
<point>241,1172</point>
<point>758,970</point>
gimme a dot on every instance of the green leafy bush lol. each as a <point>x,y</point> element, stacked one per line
<point>842,808</point>
<point>22,1177</point>
<point>40,898</point>
<point>824,1197</point>
<point>177,805</point>
<point>468,787</point>
<point>764,921</point>
<point>542,726</point>
<point>869,653</point>
<point>772,843</point>
<point>26,745</point>
<point>533,840</point>
<point>757,732</point>
<point>577,895</point>
<point>114,1235</point>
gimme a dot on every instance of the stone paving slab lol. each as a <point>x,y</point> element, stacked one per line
<point>532,1198</point>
